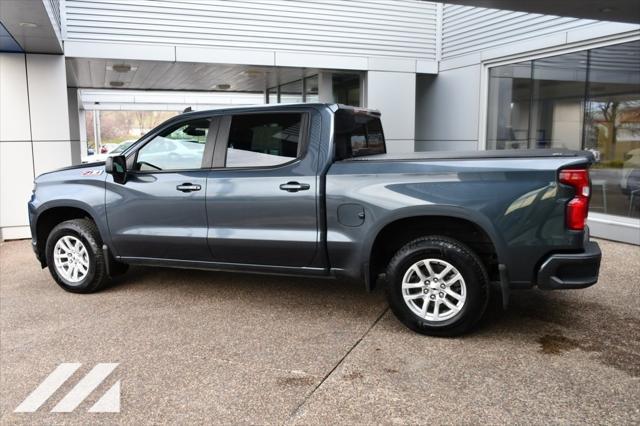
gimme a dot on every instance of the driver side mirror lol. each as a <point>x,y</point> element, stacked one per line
<point>117,167</point>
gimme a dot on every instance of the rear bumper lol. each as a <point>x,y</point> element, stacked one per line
<point>571,270</point>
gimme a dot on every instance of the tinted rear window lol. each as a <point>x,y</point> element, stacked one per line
<point>357,134</point>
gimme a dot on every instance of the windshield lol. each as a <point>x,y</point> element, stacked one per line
<point>121,148</point>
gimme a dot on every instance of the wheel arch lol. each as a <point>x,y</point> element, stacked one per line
<point>468,227</point>
<point>53,214</point>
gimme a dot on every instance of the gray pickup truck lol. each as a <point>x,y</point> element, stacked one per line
<point>310,190</point>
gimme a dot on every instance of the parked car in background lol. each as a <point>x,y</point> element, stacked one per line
<point>112,149</point>
<point>310,190</point>
<point>631,163</point>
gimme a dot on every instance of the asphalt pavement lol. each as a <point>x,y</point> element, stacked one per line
<point>209,347</point>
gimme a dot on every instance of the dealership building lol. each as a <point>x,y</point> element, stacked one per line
<point>461,75</point>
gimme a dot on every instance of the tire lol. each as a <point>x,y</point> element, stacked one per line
<point>79,238</point>
<point>460,301</point>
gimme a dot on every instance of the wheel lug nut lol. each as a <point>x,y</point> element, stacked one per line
<point>441,294</point>
<point>433,296</point>
<point>427,282</point>
<point>441,285</point>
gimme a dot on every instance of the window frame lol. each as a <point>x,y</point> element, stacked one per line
<point>219,157</point>
<point>132,157</point>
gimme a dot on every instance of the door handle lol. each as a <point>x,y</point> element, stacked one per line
<point>294,186</point>
<point>188,187</point>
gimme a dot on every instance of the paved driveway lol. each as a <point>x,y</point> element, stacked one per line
<point>221,348</point>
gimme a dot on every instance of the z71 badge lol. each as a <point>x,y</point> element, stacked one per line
<point>97,172</point>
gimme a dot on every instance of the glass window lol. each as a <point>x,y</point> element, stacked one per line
<point>357,134</point>
<point>346,89</point>
<point>291,93</point>
<point>273,95</point>
<point>176,149</point>
<point>311,87</point>
<point>558,87</point>
<point>509,102</point>
<point>582,100</point>
<point>259,140</point>
<point>612,127</point>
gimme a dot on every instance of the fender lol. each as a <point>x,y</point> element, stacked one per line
<point>94,213</point>
<point>457,212</point>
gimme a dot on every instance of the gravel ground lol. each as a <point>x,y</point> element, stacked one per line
<point>205,347</point>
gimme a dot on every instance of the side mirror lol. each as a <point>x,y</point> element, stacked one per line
<point>117,167</point>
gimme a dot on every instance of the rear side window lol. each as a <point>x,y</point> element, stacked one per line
<point>357,134</point>
<point>259,140</point>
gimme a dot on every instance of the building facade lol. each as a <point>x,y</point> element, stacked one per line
<point>445,77</point>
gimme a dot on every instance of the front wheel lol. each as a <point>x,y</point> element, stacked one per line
<point>437,286</point>
<point>75,258</point>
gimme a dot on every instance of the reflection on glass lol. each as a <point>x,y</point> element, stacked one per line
<point>291,93</point>
<point>509,100</point>
<point>272,95</point>
<point>346,89</point>
<point>583,100</point>
<point>557,101</point>
<point>612,126</point>
<point>311,87</point>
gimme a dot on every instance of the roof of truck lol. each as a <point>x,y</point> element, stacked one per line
<point>332,106</point>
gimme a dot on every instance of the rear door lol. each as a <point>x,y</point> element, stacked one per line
<point>262,192</point>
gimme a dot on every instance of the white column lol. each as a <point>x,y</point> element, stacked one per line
<point>325,87</point>
<point>34,131</point>
<point>394,95</point>
<point>74,125</point>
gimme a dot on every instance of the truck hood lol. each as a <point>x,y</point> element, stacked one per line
<point>85,169</point>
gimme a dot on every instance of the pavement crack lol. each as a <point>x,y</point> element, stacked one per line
<point>296,411</point>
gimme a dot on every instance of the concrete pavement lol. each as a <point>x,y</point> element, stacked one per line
<point>207,347</point>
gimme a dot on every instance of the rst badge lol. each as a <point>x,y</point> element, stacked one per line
<point>95,172</point>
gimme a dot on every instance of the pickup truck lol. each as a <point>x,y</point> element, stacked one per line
<point>310,190</point>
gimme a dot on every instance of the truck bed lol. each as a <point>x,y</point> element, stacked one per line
<point>462,155</point>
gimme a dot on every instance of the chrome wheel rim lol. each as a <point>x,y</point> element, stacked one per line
<point>71,259</point>
<point>434,290</point>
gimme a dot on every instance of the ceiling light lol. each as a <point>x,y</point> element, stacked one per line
<point>28,25</point>
<point>116,83</point>
<point>121,67</point>
<point>223,86</point>
<point>607,9</point>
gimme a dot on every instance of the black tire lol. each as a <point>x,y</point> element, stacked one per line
<point>87,232</point>
<point>464,260</point>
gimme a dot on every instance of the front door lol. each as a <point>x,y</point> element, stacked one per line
<point>262,193</point>
<point>160,211</point>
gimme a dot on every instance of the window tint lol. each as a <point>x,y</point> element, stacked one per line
<point>176,149</point>
<point>258,140</point>
<point>358,134</point>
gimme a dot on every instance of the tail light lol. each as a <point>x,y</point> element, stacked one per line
<point>578,206</point>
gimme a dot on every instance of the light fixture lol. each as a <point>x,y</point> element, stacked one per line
<point>116,83</point>
<point>223,86</point>
<point>121,67</point>
<point>607,9</point>
<point>28,25</point>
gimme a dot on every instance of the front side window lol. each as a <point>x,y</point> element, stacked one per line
<point>260,140</point>
<point>180,148</point>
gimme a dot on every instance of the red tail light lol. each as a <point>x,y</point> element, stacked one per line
<point>578,206</point>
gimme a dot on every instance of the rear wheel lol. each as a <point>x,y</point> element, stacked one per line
<point>437,286</point>
<point>75,258</point>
